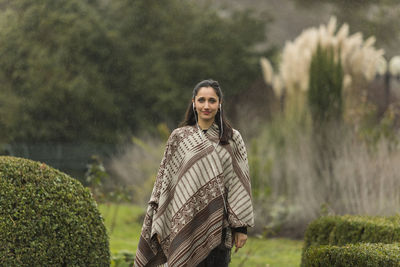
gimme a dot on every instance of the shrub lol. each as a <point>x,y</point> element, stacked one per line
<point>341,230</point>
<point>326,234</point>
<point>123,259</point>
<point>48,218</point>
<point>137,164</point>
<point>362,254</point>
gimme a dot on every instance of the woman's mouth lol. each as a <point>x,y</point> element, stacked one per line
<point>206,112</point>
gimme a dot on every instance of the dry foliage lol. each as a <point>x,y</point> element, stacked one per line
<point>352,178</point>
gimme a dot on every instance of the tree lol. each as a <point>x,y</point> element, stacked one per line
<point>325,102</point>
<point>174,44</point>
<point>61,65</point>
<point>325,88</point>
<point>102,70</point>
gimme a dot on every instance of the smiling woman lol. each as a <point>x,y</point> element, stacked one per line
<point>208,100</point>
<point>201,201</point>
<point>207,105</point>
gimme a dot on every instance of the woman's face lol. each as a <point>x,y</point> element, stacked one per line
<point>206,103</point>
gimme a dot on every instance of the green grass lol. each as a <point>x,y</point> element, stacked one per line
<point>126,233</point>
<point>276,252</point>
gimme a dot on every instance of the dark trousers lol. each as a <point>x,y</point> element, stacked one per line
<point>219,256</point>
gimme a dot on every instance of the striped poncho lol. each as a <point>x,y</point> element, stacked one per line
<point>186,214</point>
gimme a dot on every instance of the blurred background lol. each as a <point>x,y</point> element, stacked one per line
<point>94,88</point>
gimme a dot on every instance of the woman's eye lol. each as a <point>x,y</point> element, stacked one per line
<point>201,100</point>
<point>212,100</point>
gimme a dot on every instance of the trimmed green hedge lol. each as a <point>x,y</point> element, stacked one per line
<point>48,218</point>
<point>341,230</point>
<point>345,230</point>
<point>361,254</point>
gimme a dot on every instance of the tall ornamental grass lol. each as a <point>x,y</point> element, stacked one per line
<point>360,178</point>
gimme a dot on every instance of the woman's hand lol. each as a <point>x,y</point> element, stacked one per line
<point>240,240</point>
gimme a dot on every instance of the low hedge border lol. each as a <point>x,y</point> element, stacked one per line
<point>341,230</point>
<point>348,229</point>
<point>361,254</point>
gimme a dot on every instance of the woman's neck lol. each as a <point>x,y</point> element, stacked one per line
<point>204,125</point>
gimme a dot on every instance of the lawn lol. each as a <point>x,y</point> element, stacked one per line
<point>275,252</point>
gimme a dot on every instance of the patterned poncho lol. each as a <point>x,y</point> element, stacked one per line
<point>186,213</point>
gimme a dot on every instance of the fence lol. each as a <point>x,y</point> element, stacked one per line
<point>71,158</point>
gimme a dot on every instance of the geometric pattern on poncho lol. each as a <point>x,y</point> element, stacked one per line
<point>186,214</point>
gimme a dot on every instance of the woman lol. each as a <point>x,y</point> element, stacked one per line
<point>201,200</point>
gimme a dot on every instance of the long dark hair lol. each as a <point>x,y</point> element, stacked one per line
<point>190,113</point>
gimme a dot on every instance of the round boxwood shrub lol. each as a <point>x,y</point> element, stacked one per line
<point>48,218</point>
